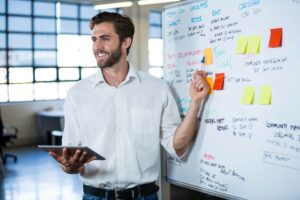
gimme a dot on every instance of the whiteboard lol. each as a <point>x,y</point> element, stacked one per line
<point>242,151</point>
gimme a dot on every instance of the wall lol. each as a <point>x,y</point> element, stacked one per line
<point>139,51</point>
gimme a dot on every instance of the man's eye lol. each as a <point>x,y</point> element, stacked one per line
<point>105,38</point>
<point>93,39</point>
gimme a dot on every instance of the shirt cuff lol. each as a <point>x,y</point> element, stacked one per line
<point>172,151</point>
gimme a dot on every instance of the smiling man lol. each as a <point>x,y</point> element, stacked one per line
<point>124,115</point>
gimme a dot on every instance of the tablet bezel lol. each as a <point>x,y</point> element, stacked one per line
<point>58,149</point>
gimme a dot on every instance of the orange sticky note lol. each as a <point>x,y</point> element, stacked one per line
<point>208,56</point>
<point>275,38</point>
<point>219,81</point>
<point>210,82</point>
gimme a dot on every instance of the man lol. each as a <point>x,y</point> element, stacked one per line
<point>123,115</point>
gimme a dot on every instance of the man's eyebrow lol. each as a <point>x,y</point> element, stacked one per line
<point>105,36</point>
<point>100,36</point>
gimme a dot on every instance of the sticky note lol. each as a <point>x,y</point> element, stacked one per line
<point>203,60</point>
<point>275,38</point>
<point>241,45</point>
<point>265,95</point>
<point>208,56</point>
<point>248,95</point>
<point>210,82</point>
<point>219,81</point>
<point>254,44</point>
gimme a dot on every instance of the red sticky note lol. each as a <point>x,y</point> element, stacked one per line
<point>219,81</point>
<point>275,38</point>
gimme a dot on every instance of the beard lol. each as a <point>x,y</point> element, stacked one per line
<point>114,57</point>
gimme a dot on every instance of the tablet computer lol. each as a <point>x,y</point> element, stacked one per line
<point>71,150</point>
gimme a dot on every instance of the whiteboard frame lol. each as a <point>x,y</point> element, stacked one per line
<point>203,190</point>
<point>268,55</point>
<point>172,181</point>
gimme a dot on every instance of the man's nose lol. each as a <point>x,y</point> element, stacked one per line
<point>98,44</point>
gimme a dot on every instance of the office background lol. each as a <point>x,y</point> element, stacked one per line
<point>45,48</point>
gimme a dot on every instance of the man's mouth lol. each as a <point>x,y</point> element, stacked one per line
<point>101,55</point>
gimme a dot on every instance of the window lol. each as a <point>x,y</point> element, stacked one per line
<point>19,7</point>
<point>44,9</point>
<point>45,48</point>
<point>155,44</point>
<point>2,6</point>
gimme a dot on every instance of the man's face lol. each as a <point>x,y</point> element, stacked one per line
<point>106,45</point>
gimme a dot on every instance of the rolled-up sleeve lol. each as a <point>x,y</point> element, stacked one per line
<point>170,120</point>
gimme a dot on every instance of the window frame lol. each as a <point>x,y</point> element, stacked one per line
<point>33,49</point>
<point>155,70</point>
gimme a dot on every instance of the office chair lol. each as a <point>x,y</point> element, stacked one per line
<point>7,134</point>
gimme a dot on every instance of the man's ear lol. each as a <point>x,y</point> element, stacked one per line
<point>127,42</point>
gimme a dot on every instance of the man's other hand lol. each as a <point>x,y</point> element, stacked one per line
<point>72,163</point>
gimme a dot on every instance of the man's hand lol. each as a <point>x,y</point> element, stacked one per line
<point>199,87</point>
<point>72,163</point>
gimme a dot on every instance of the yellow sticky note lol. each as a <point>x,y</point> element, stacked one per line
<point>208,56</point>
<point>248,95</point>
<point>265,95</point>
<point>241,45</point>
<point>254,44</point>
<point>210,82</point>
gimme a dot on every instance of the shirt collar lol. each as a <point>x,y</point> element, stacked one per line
<point>132,73</point>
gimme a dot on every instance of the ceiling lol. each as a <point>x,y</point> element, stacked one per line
<point>92,1</point>
<point>89,1</point>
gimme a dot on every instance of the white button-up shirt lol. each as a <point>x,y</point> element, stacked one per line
<point>125,125</point>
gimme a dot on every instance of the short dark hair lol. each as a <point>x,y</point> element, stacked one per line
<point>123,25</point>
